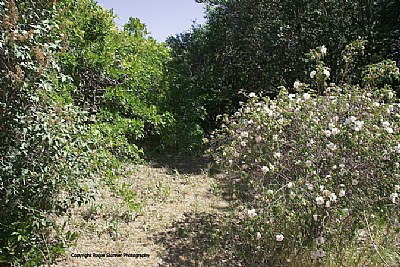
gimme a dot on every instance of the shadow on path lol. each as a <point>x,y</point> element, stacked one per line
<point>196,240</point>
<point>182,164</point>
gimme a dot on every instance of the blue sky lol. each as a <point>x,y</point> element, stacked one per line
<point>162,17</point>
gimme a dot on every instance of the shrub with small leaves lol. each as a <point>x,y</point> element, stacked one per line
<point>314,172</point>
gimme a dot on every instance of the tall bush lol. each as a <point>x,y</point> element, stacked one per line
<point>258,45</point>
<point>319,175</point>
<point>45,164</point>
<point>118,77</point>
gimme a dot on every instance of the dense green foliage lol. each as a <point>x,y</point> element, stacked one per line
<point>307,169</point>
<point>257,46</point>
<point>118,76</point>
<point>43,146</point>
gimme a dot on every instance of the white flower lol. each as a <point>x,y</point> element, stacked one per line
<point>306,96</point>
<point>397,149</point>
<point>315,217</point>
<point>265,169</point>
<point>331,146</point>
<point>358,125</point>
<point>328,133</point>
<point>290,185</point>
<point>251,213</point>
<point>397,187</point>
<point>354,182</point>
<point>394,196</point>
<point>270,192</point>
<point>308,163</point>
<point>333,197</point>
<point>323,49</point>
<point>244,134</point>
<point>389,130</point>
<point>258,138</point>
<point>385,124</point>
<point>390,94</point>
<point>342,193</point>
<point>277,155</point>
<point>319,200</point>
<point>350,120</point>
<point>296,84</point>
<point>328,204</point>
<point>325,192</point>
<point>327,73</point>
<point>252,94</point>
<point>279,238</point>
<point>271,167</point>
<point>310,187</point>
<point>335,131</point>
<point>292,195</point>
<point>292,96</point>
<point>258,235</point>
<point>312,74</point>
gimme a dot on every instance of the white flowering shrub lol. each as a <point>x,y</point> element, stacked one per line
<point>318,174</point>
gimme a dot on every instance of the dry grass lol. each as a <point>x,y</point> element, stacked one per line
<point>177,203</point>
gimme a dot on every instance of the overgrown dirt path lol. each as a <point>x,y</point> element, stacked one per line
<point>180,211</point>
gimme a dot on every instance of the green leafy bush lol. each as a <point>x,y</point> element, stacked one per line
<point>258,45</point>
<point>118,77</point>
<point>46,157</point>
<point>319,174</point>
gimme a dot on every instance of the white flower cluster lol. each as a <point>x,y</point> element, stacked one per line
<point>251,213</point>
<point>279,238</point>
<point>316,152</point>
<point>357,125</point>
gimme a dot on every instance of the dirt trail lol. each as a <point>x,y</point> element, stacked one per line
<point>180,211</point>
